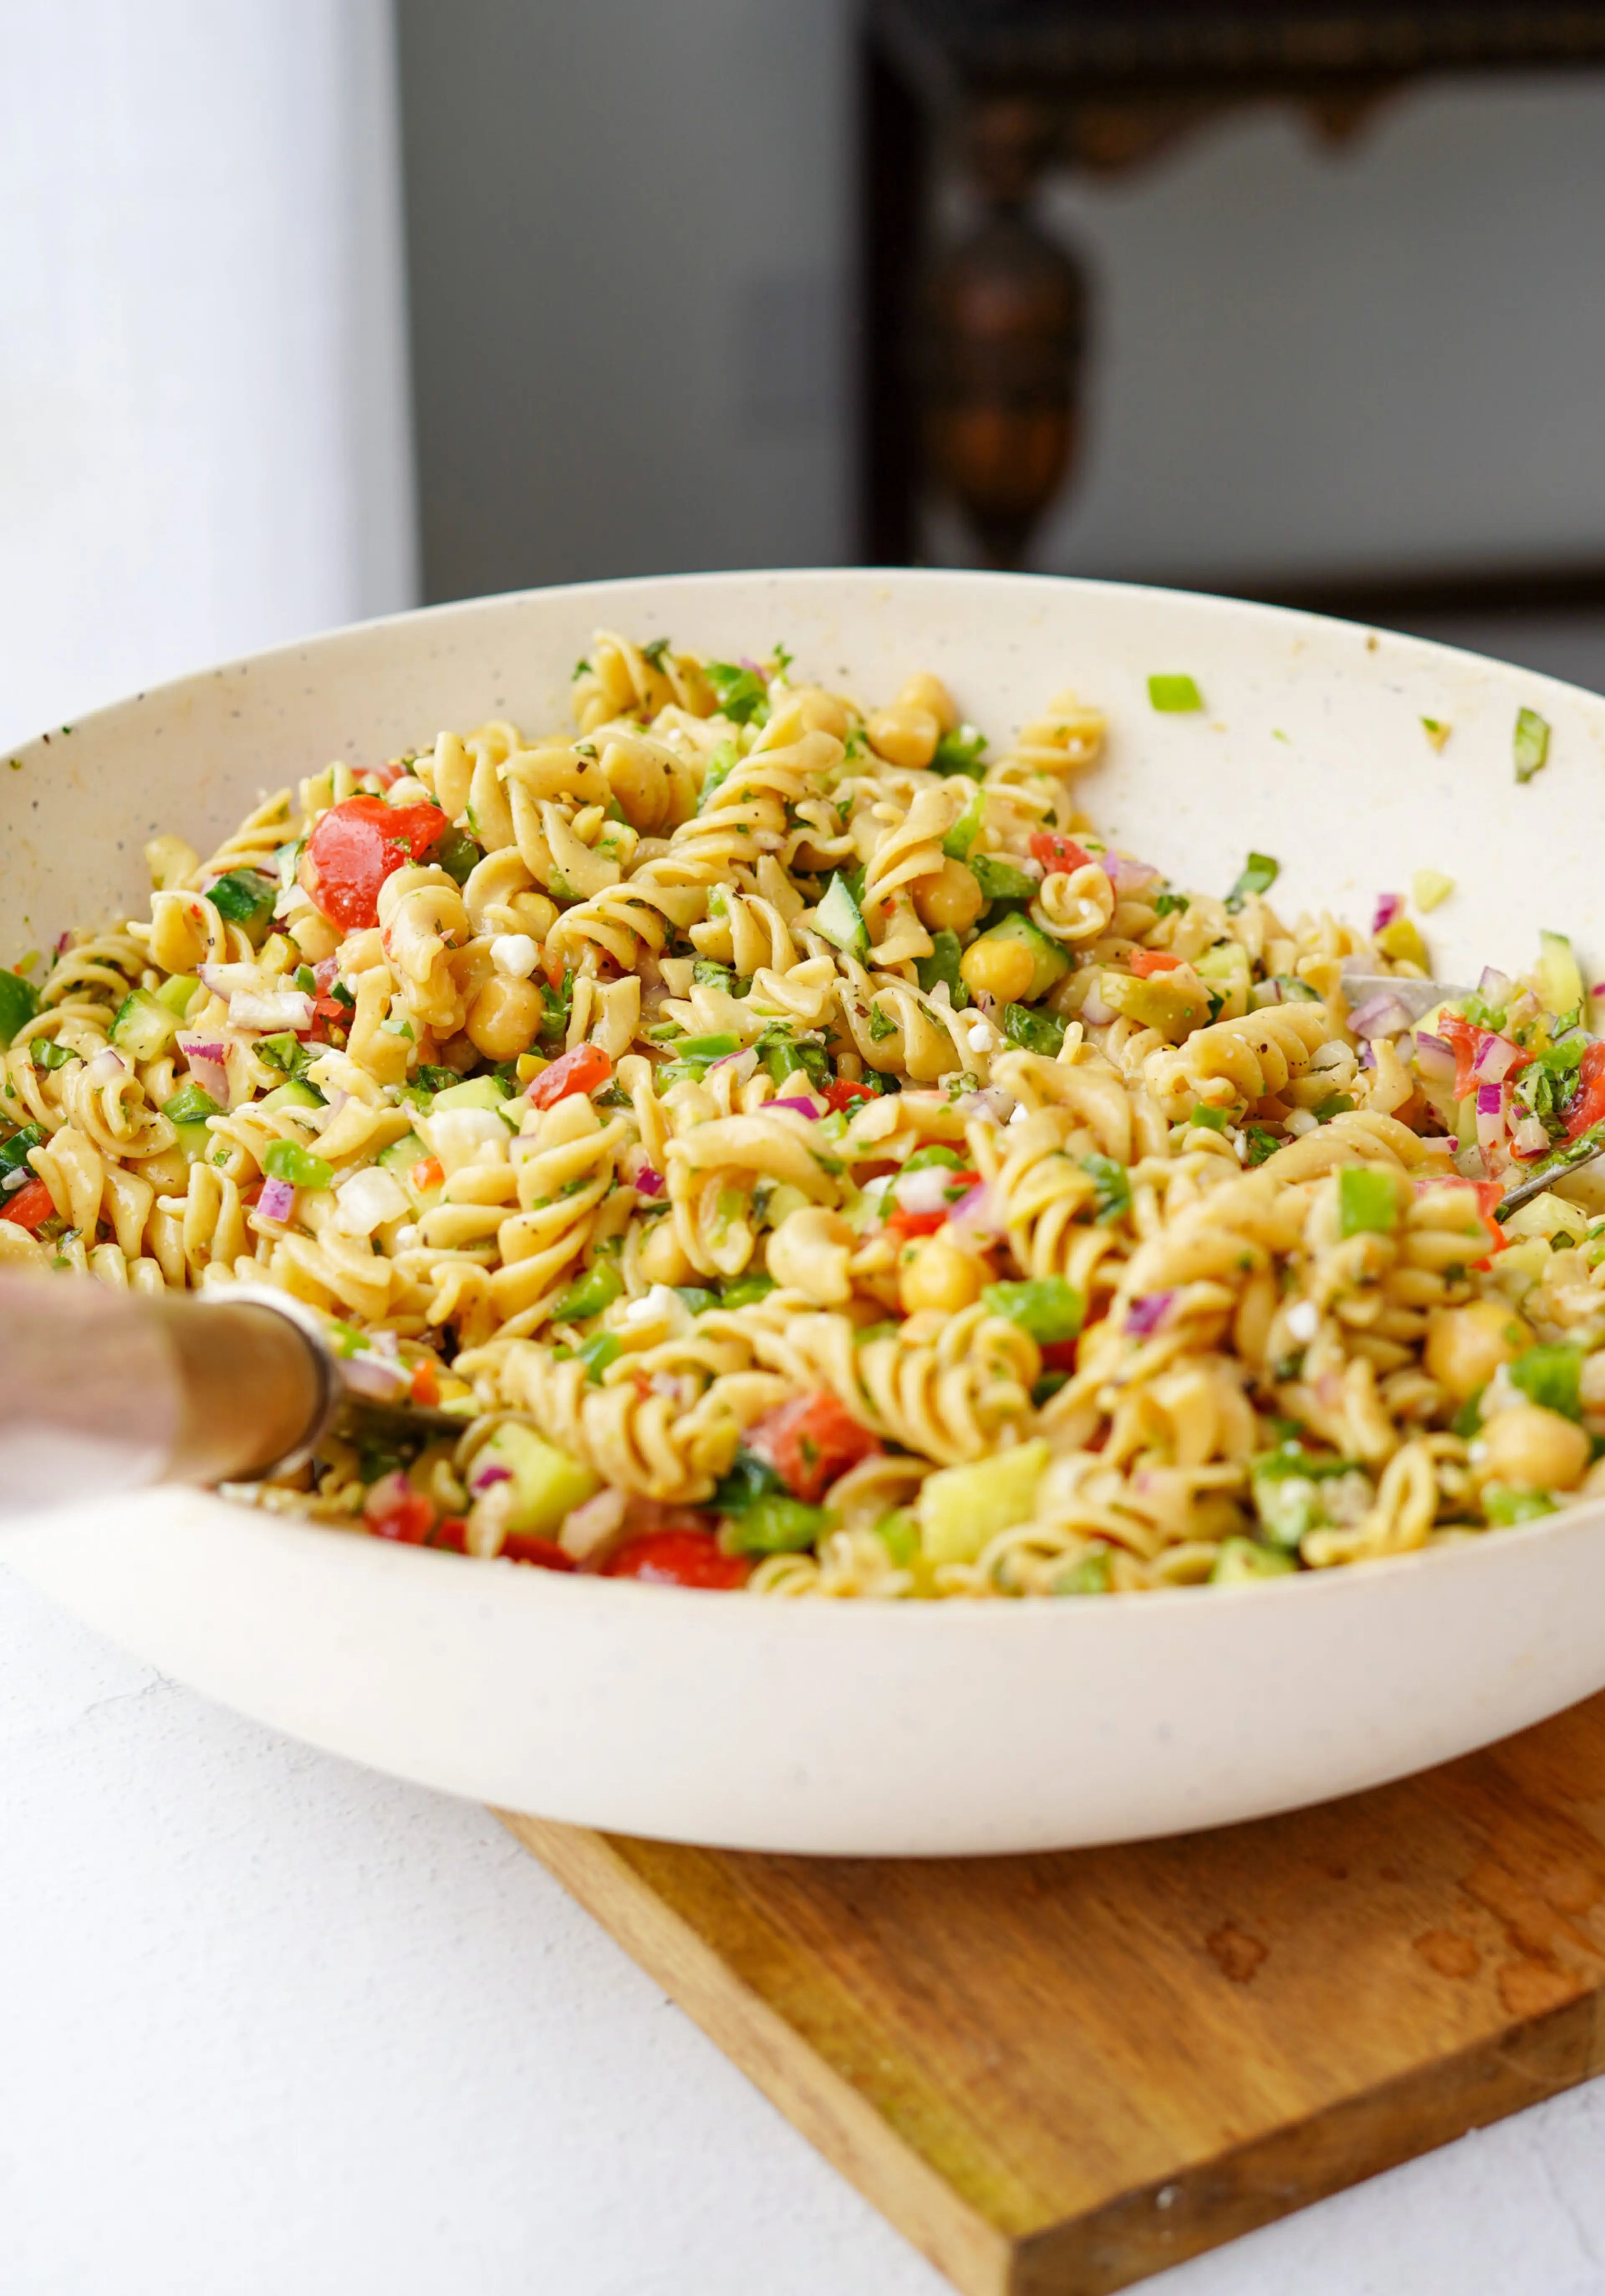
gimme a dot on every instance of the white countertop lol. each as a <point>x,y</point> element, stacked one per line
<point>270,2025</point>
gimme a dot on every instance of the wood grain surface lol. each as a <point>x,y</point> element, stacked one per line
<point>1058,2074</point>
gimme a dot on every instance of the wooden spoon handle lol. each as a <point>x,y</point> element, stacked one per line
<point>101,1390</point>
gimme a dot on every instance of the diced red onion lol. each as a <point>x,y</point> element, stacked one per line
<point>1383,1015</point>
<point>589,1525</point>
<point>63,944</point>
<point>1147,1314</point>
<point>745,662</point>
<point>384,1497</point>
<point>277,1201</point>
<point>1367,1059</point>
<point>371,1375</point>
<point>289,1008</point>
<point>1494,986</point>
<point>1390,907</point>
<point>745,1064</point>
<point>106,1066</point>
<point>208,1064</point>
<point>484,1477</point>
<point>1496,1056</point>
<point>1598,989</point>
<point>1128,876</point>
<point>1530,1136</point>
<point>646,1182</point>
<point>1434,1058</point>
<point>978,1210</point>
<point>1490,1115</point>
<point>803,1107</point>
<point>226,979</point>
<point>20,1178</point>
<point>991,1100</point>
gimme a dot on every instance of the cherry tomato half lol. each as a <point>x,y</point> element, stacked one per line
<point>544,1553</point>
<point>583,1069</point>
<point>1055,852</point>
<point>1589,1106</point>
<point>901,1225</point>
<point>408,1519</point>
<point>357,845</point>
<point>809,1442</point>
<point>31,1207</point>
<point>677,1558</point>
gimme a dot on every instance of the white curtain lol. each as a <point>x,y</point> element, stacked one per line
<point>204,430</point>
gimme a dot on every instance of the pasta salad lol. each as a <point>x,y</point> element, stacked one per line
<point>808,1156</point>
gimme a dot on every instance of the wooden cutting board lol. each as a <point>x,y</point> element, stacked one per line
<point>1058,2074</point>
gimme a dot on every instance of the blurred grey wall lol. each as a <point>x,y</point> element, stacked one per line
<point>1385,356</point>
<point>628,233</point>
<point>630,230</point>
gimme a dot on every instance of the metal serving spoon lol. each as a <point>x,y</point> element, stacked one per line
<point>1418,998</point>
<point>102,1391</point>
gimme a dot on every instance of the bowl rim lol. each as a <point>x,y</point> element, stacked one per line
<point>565,1587</point>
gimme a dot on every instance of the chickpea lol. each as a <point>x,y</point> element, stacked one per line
<point>504,1017</point>
<point>905,737</point>
<point>936,1273</point>
<point>924,691</point>
<point>661,1259</point>
<point>950,901</point>
<point>1536,1449</point>
<point>1465,1345</point>
<point>1002,968</point>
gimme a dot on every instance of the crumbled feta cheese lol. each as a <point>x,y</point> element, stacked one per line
<point>1301,1121</point>
<point>407,1238</point>
<point>659,1301</point>
<point>978,1035</point>
<point>1020,1114</point>
<point>367,1199</point>
<point>514,954</point>
<point>1303,1321</point>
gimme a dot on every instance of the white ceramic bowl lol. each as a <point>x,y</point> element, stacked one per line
<point>853,1728</point>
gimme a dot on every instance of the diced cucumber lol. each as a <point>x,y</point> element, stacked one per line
<point>402,1154</point>
<point>246,897</point>
<point>1170,1002</point>
<point>840,919</point>
<point>960,1508</point>
<point>143,1028</point>
<point>943,964</point>
<point>1560,979</point>
<point>180,993</point>
<point>1001,880</point>
<point>1049,959</point>
<point>546,1481</point>
<point>597,1289</point>
<point>292,1095</point>
<point>777,1524</point>
<point>1240,1560</point>
<point>1034,1032</point>
<point>474,1091</point>
<point>967,828</point>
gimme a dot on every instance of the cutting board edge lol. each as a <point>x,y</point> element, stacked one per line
<point>825,2108</point>
<point>1244,2188</point>
<point>1131,2234</point>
